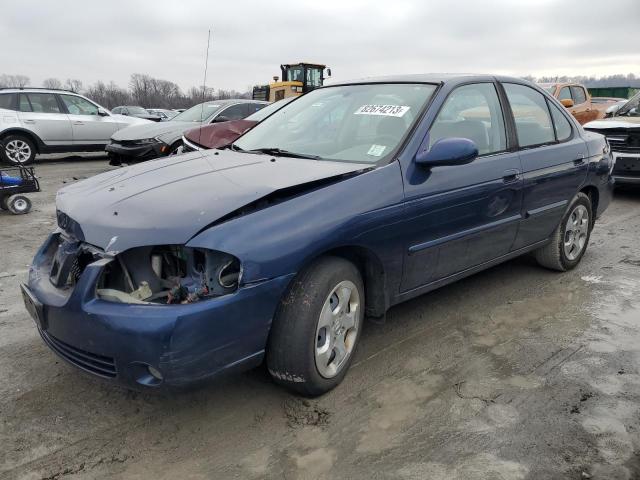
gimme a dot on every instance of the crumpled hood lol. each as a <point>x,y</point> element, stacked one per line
<point>614,122</point>
<point>152,129</point>
<point>168,201</point>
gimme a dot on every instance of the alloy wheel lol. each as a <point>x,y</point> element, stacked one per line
<point>18,151</point>
<point>337,329</point>
<point>576,232</point>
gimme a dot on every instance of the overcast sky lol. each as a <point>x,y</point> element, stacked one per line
<point>109,40</point>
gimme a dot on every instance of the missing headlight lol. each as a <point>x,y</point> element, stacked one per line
<point>169,274</point>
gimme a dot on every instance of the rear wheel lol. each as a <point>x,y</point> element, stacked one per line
<point>18,150</point>
<point>19,204</point>
<point>317,327</point>
<point>570,238</point>
<point>3,203</point>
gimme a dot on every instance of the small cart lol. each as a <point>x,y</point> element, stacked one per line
<point>15,181</point>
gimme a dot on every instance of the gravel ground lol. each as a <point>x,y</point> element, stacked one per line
<point>514,373</point>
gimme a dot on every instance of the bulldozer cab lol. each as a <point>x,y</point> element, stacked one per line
<point>297,79</point>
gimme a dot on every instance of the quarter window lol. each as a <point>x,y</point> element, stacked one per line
<point>78,105</point>
<point>7,101</point>
<point>563,127</point>
<point>473,112</point>
<point>578,95</point>
<point>39,102</point>
<point>530,111</point>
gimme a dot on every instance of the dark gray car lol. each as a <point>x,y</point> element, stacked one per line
<point>132,145</point>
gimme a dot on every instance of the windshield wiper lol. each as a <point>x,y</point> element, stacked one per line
<point>283,153</point>
<point>232,146</point>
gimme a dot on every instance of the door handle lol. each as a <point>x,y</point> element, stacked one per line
<point>579,159</point>
<point>510,176</point>
<point>30,122</point>
<point>78,123</point>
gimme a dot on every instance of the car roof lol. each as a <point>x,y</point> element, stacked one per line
<point>438,78</point>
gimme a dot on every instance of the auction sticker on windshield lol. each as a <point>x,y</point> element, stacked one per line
<point>384,110</point>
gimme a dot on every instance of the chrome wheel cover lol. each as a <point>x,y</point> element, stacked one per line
<point>18,151</point>
<point>337,329</point>
<point>576,232</point>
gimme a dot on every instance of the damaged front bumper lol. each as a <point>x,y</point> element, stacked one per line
<point>132,152</point>
<point>149,345</point>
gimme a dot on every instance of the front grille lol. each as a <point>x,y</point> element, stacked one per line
<point>87,361</point>
<point>622,139</point>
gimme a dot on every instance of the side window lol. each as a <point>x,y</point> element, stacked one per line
<point>39,102</point>
<point>235,112</point>
<point>78,105</point>
<point>254,107</point>
<point>565,94</point>
<point>563,127</point>
<point>473,112</point>
<point>530,111</point>
<point>578,95</point>
<point>8,101</point>
<point>116,111</point>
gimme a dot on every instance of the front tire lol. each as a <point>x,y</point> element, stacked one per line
<point>18,150</point>
<point>317,327</point>
<point>570,238</point>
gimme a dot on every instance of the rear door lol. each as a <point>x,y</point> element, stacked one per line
<point>88,127</point>
<point>553,158</point>
<point>463,216</point>
<point>41,113</point>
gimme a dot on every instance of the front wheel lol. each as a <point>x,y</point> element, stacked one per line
<point>570,238</point>
<point>317,327</point>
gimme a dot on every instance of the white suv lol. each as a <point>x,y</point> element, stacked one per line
<point>39,120</point>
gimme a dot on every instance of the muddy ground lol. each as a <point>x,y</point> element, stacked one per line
<point>514,373</point>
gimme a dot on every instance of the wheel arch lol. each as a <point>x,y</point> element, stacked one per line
<point>38,143</point>
<point>372,271</point>
<point>592,192</point>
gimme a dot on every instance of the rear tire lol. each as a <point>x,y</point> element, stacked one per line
<point>570,238</point>
<point>317,327</point>
<point>3,203</point>
<point>19,204</point>
<point>18,150</point>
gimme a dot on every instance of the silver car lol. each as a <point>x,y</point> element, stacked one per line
<point>38,120</point>
<point>139,143</point>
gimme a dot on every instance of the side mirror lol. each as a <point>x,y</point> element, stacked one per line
<point>102,112</point>
<point>221,118</point>
<point>448,151</point>
<point>328,72</point>
<point>567,102</point>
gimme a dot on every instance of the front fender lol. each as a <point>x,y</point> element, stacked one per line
<point>279,239</point>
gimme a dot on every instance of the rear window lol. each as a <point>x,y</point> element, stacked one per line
<point>39,102</point>
<point>578,95</point>
<point>530,111</point>
<point>8,101</point>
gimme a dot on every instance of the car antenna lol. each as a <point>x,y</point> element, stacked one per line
<point>204,86</point>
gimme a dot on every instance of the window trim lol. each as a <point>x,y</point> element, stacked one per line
<point>425,142</point>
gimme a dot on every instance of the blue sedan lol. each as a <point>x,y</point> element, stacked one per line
<point>350,199</point>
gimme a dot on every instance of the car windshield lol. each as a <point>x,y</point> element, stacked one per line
<point>631,108</point>
<point>137,111</point>
<point>198,113</point>
<point>268,110</point>
<point>362,123</point>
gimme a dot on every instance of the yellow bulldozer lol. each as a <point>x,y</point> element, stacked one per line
<point>297,78</point>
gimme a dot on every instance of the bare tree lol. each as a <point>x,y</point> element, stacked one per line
<point>52,83</point>
<point>14,81</point>
<point>73,84</point>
